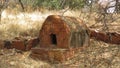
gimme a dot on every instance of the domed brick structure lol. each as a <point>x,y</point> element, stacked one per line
<point>60,37</point>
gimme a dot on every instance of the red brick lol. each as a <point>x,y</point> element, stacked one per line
<point>53,55</point>
<point>32,43</point>
<point>18,44</point>
<point>114,38</point>
<point>1,44</point>
<point>7,44</point>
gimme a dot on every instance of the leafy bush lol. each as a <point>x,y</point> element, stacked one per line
<point>55,4</point>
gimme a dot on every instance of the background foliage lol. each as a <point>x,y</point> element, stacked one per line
<point>55,4</point>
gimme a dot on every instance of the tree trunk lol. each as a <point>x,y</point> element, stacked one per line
<point>21,5</point>
<point>0,15</point>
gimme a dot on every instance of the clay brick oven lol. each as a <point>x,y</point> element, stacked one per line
<point>60,37</point>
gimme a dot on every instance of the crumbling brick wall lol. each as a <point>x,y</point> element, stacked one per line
<point>60,38</point>
<point>68,32</point>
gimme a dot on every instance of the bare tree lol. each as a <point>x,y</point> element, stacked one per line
<point>117,6</point>
<point>21,4</point>
<point>106,9</point>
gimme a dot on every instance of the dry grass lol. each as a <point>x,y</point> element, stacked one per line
<point>13,59</point>
<point>21,24</point>
<point>97,55</point>
<point>16,23</point>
